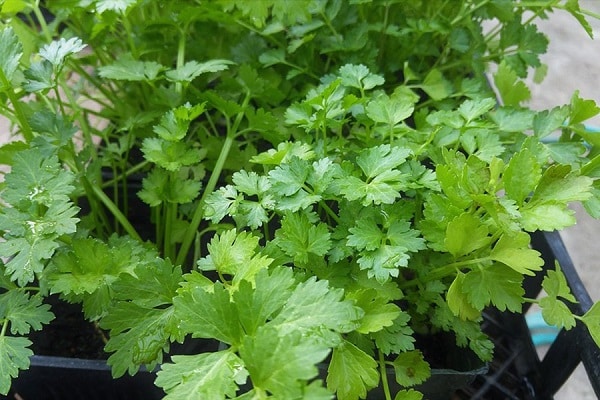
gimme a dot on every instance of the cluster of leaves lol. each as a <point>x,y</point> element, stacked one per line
<point>370,186</point>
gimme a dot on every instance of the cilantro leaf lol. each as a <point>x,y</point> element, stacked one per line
<point>139,335</point>
<point>216,319</point>
<point>555,284</point>
<point>512,90</point>
<point>11,51</point>
<point>359,77</point>
<point>301,238</point>
<point>256,304</point>
<point>556,313</point>
<point>281,364</point>
<point>159,187</point>
<point>465,234</point>
<point>522,175</point>
<point>174,124</point>
<point>38,77</point>
<point>193,69</point>
<point>513,250</point>
<point>411,369</point>
<point>171,155</point>
<point>118,6</point>
<point>234,254</point>
<point>383,181</point>
<point>378,313</point>
<point>57,51</point>
<point>24,312</point>
<point>351,372</point>
<point>395,338</point>
<point>497,284</point>
<point>592,320</point>
<point>14,356</point>
<point>200,376</point>
<point>458,301</point>
<point>129,69</point>
<point>390,111</point>
<point>315,305</point>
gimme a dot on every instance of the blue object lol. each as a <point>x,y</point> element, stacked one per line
<point>541,333</point>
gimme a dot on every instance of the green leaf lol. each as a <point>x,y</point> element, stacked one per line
<point>256,304</point>
<point>378,160</point>
<point>559,185</point>
<point>11,51</point>
<point>209,315</point>
<point>549,121</point>
<point>512,90</point>
<point>57,51</point>
<point>547,217</point>
<point>522,175</point>
<point>118,6</point>
<point>301,238</point>
<point>234,254</point>
<point>314,305</point>
<point>409,394</point>
<point>513,250</point>
<point>465,234</point>
<point>38,77</point>
<point>352,372</point>
<point>458,301</point>
<point>281,364</point>
<point>359,77</point>
<point>128,69</point>
<point>138,336</point>
<point>14,356</point>
<point>171,155</point>
<point>581,110</point>
<point>555,284</point>
<point>207,376</point>
<point>411,369</point>
<point>496,284</point>
<point>378,313</point>
<point>436,85</point>
<point>193,69</point>
<point>390,111</point>
<point>159,187</point>
<point>556,313</point>
<point>592,320</point>
<point>174,123</point>
<point>24,312</point>
<point>396,338</point>
<point>366,235</point>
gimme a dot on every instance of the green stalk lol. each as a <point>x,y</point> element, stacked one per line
<point>190,233</point>
<point>384,379</point>
<point>199,212</point>
<point>25,128</point>
<point>108,203</point>
<point>591,165</point>
<point>40,17</point>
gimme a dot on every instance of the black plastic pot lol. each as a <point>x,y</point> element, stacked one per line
<point>517,373</point>
<point>54,378</point>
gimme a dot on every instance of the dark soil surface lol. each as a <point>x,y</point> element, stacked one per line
<point>69,334</point>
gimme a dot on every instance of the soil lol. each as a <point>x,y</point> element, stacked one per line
<point>69,334</point>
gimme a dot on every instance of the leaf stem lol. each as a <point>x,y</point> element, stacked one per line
<point>23,123</point>
<point>212,183</point>
<point>122,219</point>
<point>384,379</point>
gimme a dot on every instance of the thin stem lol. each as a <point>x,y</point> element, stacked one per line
<point>383,373</point>
<point>42,21</point>
<point>23,123</point>
<point>122,219</point>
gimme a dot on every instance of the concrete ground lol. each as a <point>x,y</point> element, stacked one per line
<point>573,61</point>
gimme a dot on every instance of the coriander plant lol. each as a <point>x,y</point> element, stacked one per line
<point>312,185</point>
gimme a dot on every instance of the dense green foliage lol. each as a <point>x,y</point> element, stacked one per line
<point>324,181</point>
